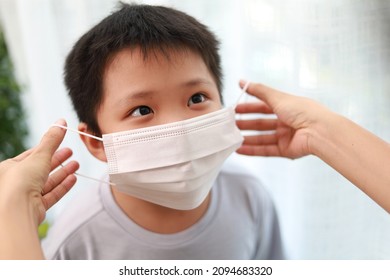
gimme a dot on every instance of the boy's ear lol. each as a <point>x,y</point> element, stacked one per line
<point>95,147</point>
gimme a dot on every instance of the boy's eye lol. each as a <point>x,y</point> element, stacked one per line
<point>197,98</point>
<point>141,111</point>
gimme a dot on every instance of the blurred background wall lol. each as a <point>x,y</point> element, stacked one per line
<point>336,52</point>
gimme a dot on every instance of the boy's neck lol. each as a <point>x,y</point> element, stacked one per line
<point>158,218</point>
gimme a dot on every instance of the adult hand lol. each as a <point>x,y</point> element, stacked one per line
<point>288,135</point>
<point>28,174</point>
<point>303,126</point>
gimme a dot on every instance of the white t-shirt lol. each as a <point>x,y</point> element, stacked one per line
<point>240,223</point>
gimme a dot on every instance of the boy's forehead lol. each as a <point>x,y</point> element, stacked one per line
<point>188,66</point>
<point>144,57</point>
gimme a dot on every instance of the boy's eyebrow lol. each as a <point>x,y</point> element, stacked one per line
<point>140,94</point>
<point>136,95</point>
<point>197,81</point>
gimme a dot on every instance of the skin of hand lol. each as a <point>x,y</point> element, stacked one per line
<point>291,129</point>
<point>28,190</point>
<point>304,127</point>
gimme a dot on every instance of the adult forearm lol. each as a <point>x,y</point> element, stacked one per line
<point>360,156</point>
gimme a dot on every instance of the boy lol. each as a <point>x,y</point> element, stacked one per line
<point>148,75</point>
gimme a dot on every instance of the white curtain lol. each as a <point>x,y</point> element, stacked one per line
<point>334,51</point>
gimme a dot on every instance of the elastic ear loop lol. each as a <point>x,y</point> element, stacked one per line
<point>243,91</point>
<point>88,135</point>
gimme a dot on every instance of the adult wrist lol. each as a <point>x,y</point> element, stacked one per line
<point>322,131</point>
<point>13,203</point>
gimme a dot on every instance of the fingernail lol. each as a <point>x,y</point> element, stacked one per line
<point>61,122</point>
<point>242,83</point>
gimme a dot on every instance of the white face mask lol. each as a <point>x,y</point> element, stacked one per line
<point>175,164</point>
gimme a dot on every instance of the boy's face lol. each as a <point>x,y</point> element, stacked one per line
<point>140,93</point>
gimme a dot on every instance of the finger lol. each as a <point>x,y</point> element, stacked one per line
<point>266,150</point>
<point>258,140</point>
<point>257,124</point>
<point>267,94</point>
<point>52,197</point>
<point>50,141</point>
<point>59,175</point>
<point>258,107</point>
<point>60,156</point>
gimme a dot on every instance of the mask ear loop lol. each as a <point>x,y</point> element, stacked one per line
<point>243,91</point>
<point>91,136</point>
<point>79,132</point>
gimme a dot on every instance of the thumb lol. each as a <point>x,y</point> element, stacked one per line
<point>51,140</point>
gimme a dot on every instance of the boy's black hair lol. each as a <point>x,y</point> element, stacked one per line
<point>151,28</point>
